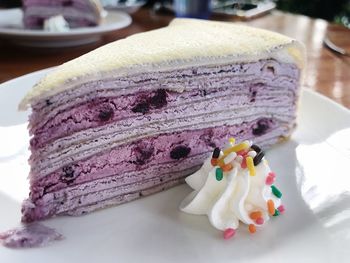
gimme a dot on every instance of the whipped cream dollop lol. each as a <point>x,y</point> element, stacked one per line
<point>56,24</point>
<point>234,186</point>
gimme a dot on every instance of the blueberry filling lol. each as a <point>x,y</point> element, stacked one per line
<point>207,137</point>
<point>253,90</point>
<point>143,153</point>
<point>252,98</point>
<point>48,102</point>
<point>179,152</point>
<point>159,99</point>
<point>40,21</point>
<point>67,3</point>
<point>106,113</point>
<point>203,92</point>
<point>142,107</point>
<point>260,127</point>
<point>68,173</point>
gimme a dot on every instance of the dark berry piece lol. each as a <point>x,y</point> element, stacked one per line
<point>203,93</point>
<point>40,21</point>
<point>256,148</point>
<point>159,99</point>
<point>143,153</point>
<point>212,144</point>
<point>67,3</point>
<point>68,173</point>
<point>261,127</point>
<point>207,137</point>
<point>270,69</point>
<point>48,102</point>
<point>142,107</point>
<point>179,152</point>
<point>252,98</point>
<point>106,113</point>
<point>34,142</point>
<point>257,159</point>
<point>216,153</point>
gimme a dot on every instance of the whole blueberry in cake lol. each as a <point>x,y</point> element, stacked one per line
<point>136,116</point>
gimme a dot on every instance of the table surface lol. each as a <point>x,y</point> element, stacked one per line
<point>326,72</point>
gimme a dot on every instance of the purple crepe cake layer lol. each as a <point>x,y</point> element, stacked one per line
<point>78,13</point>
<point>98,111</point>
<point>116,124</point>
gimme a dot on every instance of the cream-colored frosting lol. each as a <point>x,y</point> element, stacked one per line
<point>184,43</point>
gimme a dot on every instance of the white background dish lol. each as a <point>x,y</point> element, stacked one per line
<point>129,6</point>
<point>312,172</point>
<point>11,28</point>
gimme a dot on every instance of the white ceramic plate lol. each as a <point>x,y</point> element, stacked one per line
<point>11,28</point>
<point>313,173</point>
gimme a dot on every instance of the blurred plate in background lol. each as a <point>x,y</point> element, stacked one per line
<point>11,29</point>
<point>129,6</point>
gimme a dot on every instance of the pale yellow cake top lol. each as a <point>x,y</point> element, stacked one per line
<point>184,42</point>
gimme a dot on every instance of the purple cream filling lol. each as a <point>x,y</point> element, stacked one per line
<point>28,236</point>
<point>142,154</point>
<point>109,185</point>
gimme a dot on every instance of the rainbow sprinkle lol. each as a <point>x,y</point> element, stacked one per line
<point>271,207</point>
<point>216,153</point>
<point>281,209</point>
<point>252,228</point>
<point>255,215</point>
<point>250,164</point>
<point>236,148</point>
<point>276,192</point>
<point>277,213</point>
<point>214,162</point>
<point>219,174</point>
<point>232,140</point>
<point>229,232</point>
<point>270,178</point>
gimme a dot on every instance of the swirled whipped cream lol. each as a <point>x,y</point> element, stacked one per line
<point>235,184</point>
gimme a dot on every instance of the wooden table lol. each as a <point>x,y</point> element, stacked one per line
<point>327,72</point>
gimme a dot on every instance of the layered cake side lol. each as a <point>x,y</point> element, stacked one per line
<point>108,137</point>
